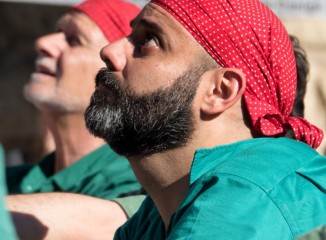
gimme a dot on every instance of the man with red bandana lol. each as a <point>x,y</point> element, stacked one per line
<point>60,88</point>
<point>198,97</point>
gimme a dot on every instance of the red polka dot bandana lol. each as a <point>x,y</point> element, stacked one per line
<point>245,34</point>
<point>112,16</point>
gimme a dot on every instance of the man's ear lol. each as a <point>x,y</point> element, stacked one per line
<point>225,89</point>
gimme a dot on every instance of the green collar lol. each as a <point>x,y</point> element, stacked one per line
<point>249,157</point>
<point>42,177</point>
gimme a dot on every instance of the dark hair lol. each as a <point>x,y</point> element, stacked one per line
<point>302,75</point>
<point>302,65</point>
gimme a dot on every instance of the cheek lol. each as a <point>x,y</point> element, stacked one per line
<point>150,75</point>
<point>79,68</point>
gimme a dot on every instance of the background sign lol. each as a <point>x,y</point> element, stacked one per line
<point>305,8</point>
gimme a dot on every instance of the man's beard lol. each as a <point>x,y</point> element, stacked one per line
<point>134,124</point>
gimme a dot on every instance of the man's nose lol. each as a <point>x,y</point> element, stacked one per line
<point>114,55</point>
<point>51,45</point>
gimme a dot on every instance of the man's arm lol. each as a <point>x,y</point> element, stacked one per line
<point>64,216</point>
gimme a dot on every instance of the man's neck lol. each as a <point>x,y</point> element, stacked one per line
<point>72,139</point>
<point>165,177</point>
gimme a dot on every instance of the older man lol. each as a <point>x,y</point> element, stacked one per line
<point>60,88</point>
<point>199,98</point>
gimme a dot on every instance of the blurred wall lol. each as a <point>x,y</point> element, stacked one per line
<point>312,34</point>
<point>20,25</point>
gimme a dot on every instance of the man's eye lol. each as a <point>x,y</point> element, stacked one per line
<point>72,40</point>
<point>150,41</point>
<point>145,43</point>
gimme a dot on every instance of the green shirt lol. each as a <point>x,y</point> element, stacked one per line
<point>264,188</point>
<point>6,226</point>
<point>102,173</point>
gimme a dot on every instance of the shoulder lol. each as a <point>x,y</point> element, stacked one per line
<point>265,162</point>
<point>226,206</point>
<point>257,190</point>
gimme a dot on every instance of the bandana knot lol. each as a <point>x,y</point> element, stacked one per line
<point>270,124</point>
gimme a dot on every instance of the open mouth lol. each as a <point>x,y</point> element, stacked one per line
<point>44,70</point>
<point>46,73</point>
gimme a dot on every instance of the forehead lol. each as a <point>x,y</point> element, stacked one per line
<point>77,21</point>
<point>155,16</point>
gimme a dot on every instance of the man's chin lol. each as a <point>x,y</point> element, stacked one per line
<point>35,94</point>
<point>41,78</point>
<point>39,88</point>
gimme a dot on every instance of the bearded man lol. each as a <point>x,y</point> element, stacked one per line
<point>199,98</point>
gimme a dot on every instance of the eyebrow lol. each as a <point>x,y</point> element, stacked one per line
<point>146,23</point>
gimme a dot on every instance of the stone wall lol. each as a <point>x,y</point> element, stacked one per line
<point>20,25</point>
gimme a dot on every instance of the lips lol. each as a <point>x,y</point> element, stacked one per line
<point>44,70</point>
<point>45,66</point>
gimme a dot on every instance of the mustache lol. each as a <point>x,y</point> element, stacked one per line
<point>105,77</point>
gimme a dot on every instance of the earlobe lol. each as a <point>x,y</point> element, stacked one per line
<point>225,89</point>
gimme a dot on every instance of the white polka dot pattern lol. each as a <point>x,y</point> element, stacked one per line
<point>245,34</point>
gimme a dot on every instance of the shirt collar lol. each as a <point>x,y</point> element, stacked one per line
<point>69,178</point>
<point>41,177</point>
<point>37,177</point>
<point>206,159</point>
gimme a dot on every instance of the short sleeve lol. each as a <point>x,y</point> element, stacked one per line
<point>130,204</point>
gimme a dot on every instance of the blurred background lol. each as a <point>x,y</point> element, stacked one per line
<point>21,22</point>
